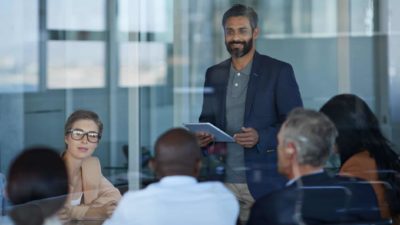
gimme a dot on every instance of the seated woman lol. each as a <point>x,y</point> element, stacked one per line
<point>37,187</point>
<point>92,196</point>
<point>364,151</point>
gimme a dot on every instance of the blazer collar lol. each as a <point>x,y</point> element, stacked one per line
<point>311,179</point>
<point>252,85</point>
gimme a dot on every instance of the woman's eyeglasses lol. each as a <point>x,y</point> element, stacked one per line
<point>78,134</point>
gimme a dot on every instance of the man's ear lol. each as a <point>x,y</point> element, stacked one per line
<point>152,165</point>
<point>335,149</point>
<point>256,32</point>
<point>291,150</point>
<point>197,167</point>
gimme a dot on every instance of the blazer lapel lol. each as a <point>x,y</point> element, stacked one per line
<point>252,86</point>
<point>222,85</point>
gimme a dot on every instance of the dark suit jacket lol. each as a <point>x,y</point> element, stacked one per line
<point>318,199</point>
<point>272,93</point>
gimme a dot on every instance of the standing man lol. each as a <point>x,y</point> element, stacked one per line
<point>249,98</point>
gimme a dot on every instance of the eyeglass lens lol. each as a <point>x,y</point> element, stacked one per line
<point>92,136</point>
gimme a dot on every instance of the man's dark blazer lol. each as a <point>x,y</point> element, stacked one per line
<point>318,199</point>
<point>272,92</point>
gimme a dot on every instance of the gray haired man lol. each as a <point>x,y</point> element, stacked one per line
<point>311,196</point>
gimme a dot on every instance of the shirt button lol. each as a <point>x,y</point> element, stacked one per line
<point>238,74</point>
<point>236,84</point>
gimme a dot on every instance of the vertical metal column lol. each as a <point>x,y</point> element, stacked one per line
<point>112,71</point>
<point>381,60</point>
<point>181,41</point>
<point>343,46</point>
<point>134,122</point>
<point>43,38</point>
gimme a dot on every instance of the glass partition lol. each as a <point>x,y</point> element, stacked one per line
<point>141,64</point>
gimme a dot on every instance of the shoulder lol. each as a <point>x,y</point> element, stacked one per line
<point>361,161</point>
<point>91,170</point>
<point>91,162</point>
<point>270,61</point>
<point>363,156</point>
<point>215,187</point>
<point>274,70</point>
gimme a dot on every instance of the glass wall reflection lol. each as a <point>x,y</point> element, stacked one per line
<point>95,54</point>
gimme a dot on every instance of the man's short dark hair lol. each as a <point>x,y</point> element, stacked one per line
<point>241,10</point>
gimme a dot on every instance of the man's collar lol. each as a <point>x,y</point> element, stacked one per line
<point>177,180</point>
<point>291,181</point>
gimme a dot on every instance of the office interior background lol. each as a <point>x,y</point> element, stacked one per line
<point>140,65</point>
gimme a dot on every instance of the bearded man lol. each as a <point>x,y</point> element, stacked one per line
<point>248,96</point>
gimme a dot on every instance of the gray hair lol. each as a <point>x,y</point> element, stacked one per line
<point>313,133</point>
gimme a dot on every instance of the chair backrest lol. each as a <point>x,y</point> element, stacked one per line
<point>380,222</point>
<point>319,204</point>
<point>343,202</point>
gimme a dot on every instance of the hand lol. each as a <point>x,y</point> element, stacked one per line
<point>203,138</point>
<point>110,208</point>
<point>64,214</point>
<point>101,212</point>
<point>247,138</point>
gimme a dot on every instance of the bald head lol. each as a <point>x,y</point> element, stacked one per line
<point>177,153</point>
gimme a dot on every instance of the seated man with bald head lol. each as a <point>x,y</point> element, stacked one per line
<point>177,198</point>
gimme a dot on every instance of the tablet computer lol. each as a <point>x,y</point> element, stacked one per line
<point>219,135</point>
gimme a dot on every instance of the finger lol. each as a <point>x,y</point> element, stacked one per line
<point>62,216</point>
<point>247,129</point>
<point>205,142</point>
<point>246,143</point>
<point>204,134</point>
<point>242,135</point>
<point>246,138</point>
<point>205,137</point>
<point>62,211</point>
<point>112,203</point>
<point>111,209</point>
<point>209,138</point>
<point>199,134</point>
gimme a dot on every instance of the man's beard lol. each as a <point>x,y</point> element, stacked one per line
<point>236,52</point>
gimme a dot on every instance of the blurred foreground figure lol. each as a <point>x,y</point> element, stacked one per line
<point>37,186</point>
